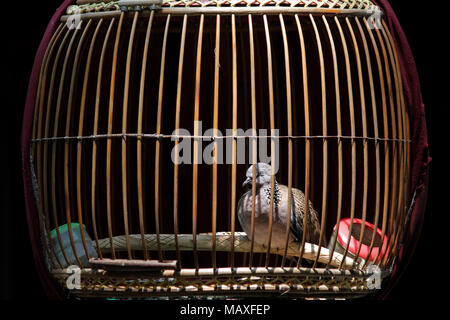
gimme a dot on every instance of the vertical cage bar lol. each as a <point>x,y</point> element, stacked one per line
<point>177,126</point>
<point>401,112</point>
<point>352,124</point>
<point>196,133</point>
<point>254,133</point>
<point>339,130</point>
<point>307,141</point>
<point>43,214</point>
<point>398,159</point>
<point>234,146</point>
<point>51,198</point>
<point>139,131</point>
<point>80,130</point>
<point>376,131</point>
<point>158,142</point>
<point>364,124</point>
<point>216,126</point>
<point>94,143</point>
<point>394,149</point>
<point>386,145</point>
<point>109,142</point>
<point>289,125</point>
<point>124,139</point>
<point>324,141</point>
<point>55,133</point>
<point>272,141</point>
<point>66,149</point>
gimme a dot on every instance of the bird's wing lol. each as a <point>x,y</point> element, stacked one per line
<point>313,225</point>
<point>296,224</point>
<point>295,214</point>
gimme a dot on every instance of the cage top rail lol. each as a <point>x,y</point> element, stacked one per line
<point>350,4</point>
<point>98,9</point>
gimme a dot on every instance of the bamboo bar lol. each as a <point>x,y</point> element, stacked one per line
<point>241,244</point>
<point>177,126</point>
<point>124,130</point>
<point>95,131</point>
<point>253,141</point>
<point>325,142</point>
<point>110,125</point>
<point>196,132</point>
<point>376,131</point>
<point>395,173</point>
<point>46,134</point>
<point>132,266</point>
<point>226,10</point>
<point>352,124</point>
<point>339,130</point>
<point>55,132</point>
<point>289,125</point>
<point>81,126</point>
<point>272,142</point>
<point>242,272</point>
<point>216,127</point>
<point>139,130</point>
<point>234,146</point>
<point>66,146</point>
<point>307,142</point>
<point>158,131</point>
<point>386,145</point>
<point>364,126</point>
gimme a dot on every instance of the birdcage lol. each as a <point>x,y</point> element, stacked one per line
<point>122,85</point>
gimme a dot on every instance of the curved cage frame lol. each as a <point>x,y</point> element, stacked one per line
<point>109,65</point>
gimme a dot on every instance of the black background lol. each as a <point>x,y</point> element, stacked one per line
<point>426,31</point>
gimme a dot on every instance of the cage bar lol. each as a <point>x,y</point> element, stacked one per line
<point>95,131</point>
<point>139,131</point>
<point>289,126</point>
<point>177,126</point>
<point>54,149</point>
<point>66,146</point>
<point>325,142</point>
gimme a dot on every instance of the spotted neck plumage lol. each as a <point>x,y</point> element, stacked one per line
<point>276,194</point>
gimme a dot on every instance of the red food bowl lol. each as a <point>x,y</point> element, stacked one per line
<point>344,234</point>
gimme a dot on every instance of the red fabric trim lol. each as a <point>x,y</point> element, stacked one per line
<point>51,288</point>
<point>420,158</point>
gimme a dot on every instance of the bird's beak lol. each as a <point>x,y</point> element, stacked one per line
<point>247,182</point>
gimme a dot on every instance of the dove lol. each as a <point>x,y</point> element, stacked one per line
<point>280,214</point>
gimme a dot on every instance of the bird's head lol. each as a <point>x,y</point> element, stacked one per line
<point>263,175</point>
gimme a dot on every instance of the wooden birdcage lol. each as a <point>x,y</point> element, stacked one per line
<point>117,81</point>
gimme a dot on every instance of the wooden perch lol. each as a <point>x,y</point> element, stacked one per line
<point>223,243</point>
